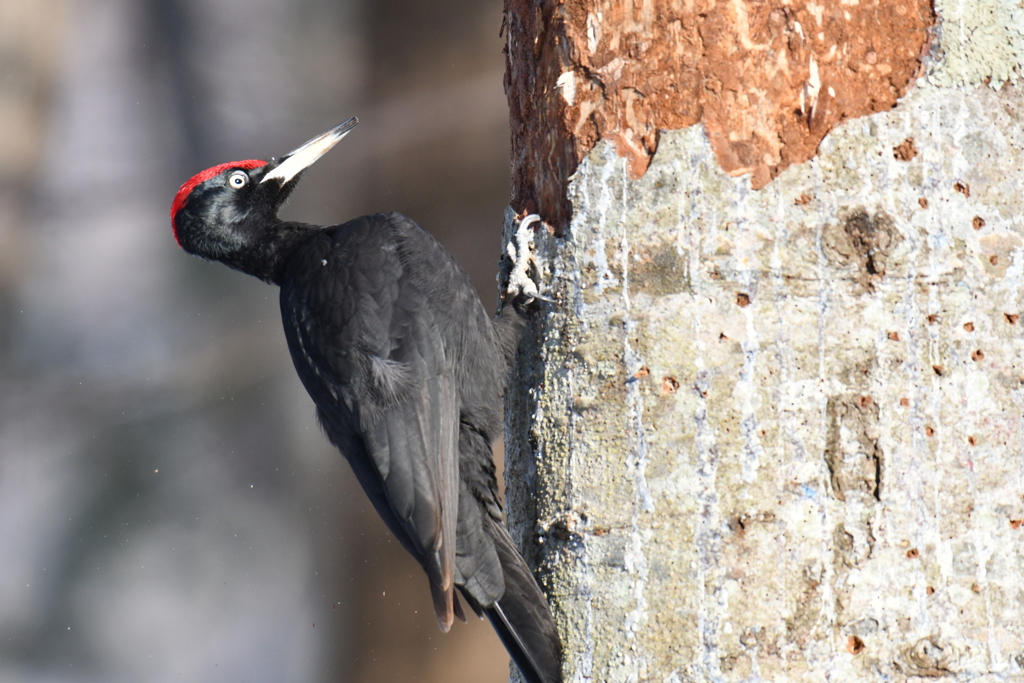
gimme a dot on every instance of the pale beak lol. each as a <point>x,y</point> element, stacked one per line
<point>296,161</point>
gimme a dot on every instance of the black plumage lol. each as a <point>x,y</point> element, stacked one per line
<point>406,369</point>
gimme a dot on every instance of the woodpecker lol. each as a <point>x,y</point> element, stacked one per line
<point>406,370</point>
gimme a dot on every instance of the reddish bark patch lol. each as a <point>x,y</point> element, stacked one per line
<point>767,79</point>
<point>905,151</point>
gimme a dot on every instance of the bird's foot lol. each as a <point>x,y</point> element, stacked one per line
<point>522,287</point>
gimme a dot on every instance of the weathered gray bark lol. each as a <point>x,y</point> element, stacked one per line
<point>777,434</point>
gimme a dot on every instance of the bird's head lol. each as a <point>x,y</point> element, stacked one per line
<point>228,213</point>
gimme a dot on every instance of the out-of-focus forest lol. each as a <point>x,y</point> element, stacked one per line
<point>169,509</point>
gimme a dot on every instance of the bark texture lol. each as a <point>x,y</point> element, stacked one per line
<point>778,434</point>
<point>767,79</point>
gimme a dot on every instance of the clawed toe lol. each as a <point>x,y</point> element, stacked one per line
<point>520,251</point>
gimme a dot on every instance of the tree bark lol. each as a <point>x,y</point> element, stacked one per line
<point>771,426</point>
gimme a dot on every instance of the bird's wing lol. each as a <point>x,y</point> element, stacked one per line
<point>372,356</point>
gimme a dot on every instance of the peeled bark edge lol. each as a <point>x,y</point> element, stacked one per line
<point>767,80</point>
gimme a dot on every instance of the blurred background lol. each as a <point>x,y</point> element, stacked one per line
<point>169,509</point>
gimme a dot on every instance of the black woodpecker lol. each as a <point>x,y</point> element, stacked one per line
<point>406,369</point>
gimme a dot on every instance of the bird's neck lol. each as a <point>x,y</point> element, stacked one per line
<point>267,257</point>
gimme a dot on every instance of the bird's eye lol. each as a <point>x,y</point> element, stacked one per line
<point>238,180</point>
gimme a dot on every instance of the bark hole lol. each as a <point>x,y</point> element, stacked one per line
<point>865,240</point>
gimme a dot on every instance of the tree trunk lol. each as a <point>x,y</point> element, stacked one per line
<point>771,426</point>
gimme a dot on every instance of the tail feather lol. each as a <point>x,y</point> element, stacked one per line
<point>443,606</point>
<point>521,616</point>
